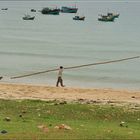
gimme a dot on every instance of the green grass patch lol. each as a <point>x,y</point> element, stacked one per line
<point>88,121</point>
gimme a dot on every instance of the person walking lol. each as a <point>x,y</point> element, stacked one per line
<point>60,80</point>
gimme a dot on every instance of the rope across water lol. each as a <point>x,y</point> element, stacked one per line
<point>78,66</point>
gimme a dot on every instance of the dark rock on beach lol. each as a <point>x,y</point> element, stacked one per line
<point>3,132</point>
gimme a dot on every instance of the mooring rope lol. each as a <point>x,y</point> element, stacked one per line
<point>74,67</point>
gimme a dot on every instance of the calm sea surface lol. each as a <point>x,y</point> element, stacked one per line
<point>53,40</point>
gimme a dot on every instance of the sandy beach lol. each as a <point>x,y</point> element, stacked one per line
<point>22,91</point>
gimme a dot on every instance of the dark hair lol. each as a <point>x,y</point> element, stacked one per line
<point>61,67</point>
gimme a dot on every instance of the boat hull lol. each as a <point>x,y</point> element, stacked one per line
<point>69,10</point>
<point>79,18</point>
<point>50,11</point>
<point>26,18</point>
<point>106,18</point>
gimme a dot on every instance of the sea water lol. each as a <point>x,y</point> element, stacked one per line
<point>51,41</point>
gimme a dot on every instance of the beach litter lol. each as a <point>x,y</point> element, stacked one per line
<point>63,126</point>
<point>123,124</point>
<point>8,119</point>
<point>44,128</point>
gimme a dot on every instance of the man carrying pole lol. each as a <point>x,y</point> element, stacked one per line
<point>60,80</point>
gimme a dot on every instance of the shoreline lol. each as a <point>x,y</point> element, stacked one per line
<point>69,94</point>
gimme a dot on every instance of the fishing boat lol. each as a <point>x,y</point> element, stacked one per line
<point>65,9</point>
<point>4,9</point>
<point>106,18</point>
<point>33,10</point>
<point>113,14</point>
<point>79,18</point>
<point>51,11</point>
<point>28,17</point>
